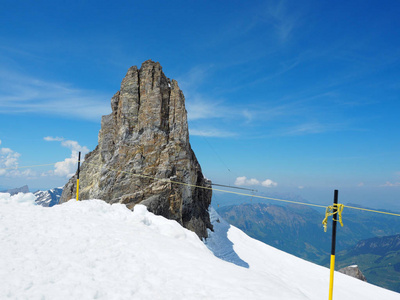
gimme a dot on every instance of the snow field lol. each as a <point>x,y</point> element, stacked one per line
<point>93,250</point>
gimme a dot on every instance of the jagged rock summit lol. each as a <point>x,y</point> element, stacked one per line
<point>146,136</point>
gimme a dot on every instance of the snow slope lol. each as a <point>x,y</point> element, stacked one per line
<point>93,250</point>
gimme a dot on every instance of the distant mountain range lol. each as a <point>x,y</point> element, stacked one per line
<point>298,230</point>
<point>48,198</point>
<point>23,189</point>
<point>378,258</point>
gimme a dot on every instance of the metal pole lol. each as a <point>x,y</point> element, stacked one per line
<point>77,179</point>
<point>333,249</point>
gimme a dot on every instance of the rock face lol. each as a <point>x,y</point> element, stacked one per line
<point>145,137</point>
<point>353,271</point>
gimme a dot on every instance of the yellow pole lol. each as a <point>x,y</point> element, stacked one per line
<point>77,179</point>
<point>333,248</point>
<point>77,189</point>
<point>331,277</point>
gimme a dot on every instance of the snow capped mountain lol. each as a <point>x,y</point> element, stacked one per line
<point>48,198</point>
<point>94,250</point>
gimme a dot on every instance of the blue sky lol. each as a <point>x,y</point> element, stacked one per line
<point>303,96</point>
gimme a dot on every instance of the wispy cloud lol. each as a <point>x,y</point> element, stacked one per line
<point>284,21</point>
<point>53,139</point>
<point>211,133</point>
<point>391,184</point>
<point>306,128</point>
<point>199,108</point>
<point>194,77</point>
<point>20,93</point>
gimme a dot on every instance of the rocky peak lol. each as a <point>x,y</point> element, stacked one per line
<point>145,137</point>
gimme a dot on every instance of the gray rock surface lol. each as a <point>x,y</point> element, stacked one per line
<point>353,271</point>
<point>146,136</point>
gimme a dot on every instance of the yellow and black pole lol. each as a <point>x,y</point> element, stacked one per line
<point>333,248</point>
<point>77,179</point>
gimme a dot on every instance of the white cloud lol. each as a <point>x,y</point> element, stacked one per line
<point>252,181</point>
<point>243,180</point>
<point>240,180</point>
<point>361,184</point>
<point>9,164</point>
<point>68,166</point>
<point>8,158</point>
<point>74,146</point>
<point>268,183</point>
<point>9,161</point>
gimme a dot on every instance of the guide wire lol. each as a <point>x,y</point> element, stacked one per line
<point>24,167</point>
<point>218,190</point>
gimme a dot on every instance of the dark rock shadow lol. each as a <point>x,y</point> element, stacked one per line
<point>219,243</point>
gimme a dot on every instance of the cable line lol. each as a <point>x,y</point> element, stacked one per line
<point>23,167</point>
<point>219,190</point>
<point>371,210</point>
<point>233,187</point>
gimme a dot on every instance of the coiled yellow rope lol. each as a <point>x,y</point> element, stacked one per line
<point>330,211</point>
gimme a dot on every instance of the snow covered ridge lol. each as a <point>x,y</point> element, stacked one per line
<point>48,198</point>
<point>94,250</point>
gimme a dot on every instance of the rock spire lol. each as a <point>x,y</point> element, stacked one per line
<point>146,136</point>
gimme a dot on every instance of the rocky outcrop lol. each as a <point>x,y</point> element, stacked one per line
<point>143,153</point>
<point>353,271</point>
